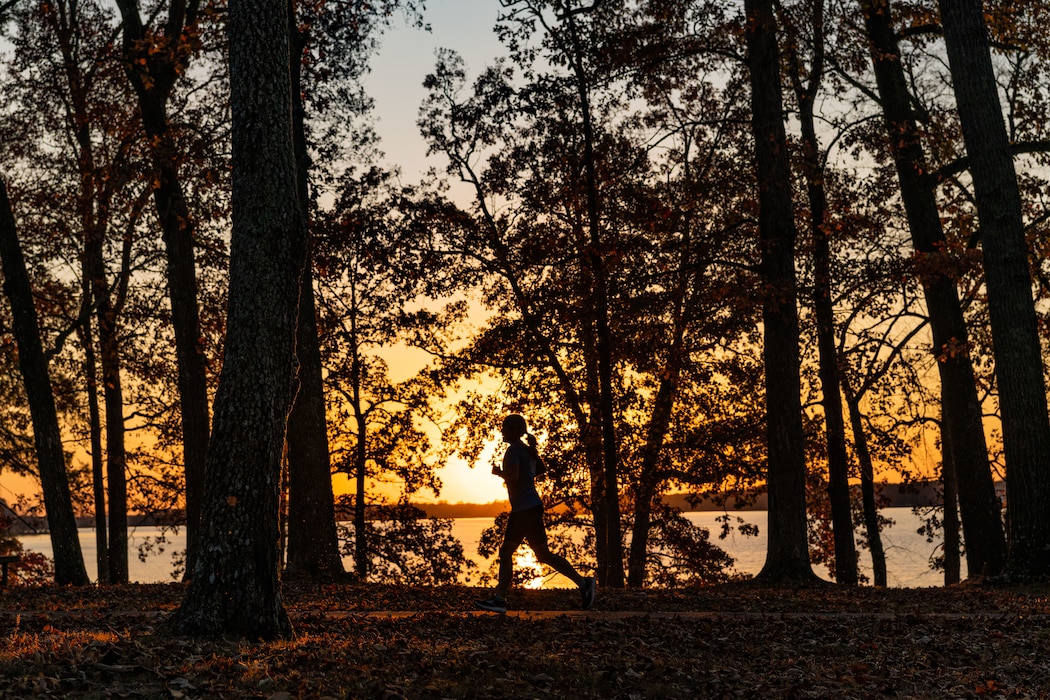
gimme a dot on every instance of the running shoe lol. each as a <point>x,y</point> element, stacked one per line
<point>494,604</point>
<point>588,592</point>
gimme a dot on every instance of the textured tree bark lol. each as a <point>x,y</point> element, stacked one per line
<point>51,461</point>
<point>961,408</point>
<point>235,586</point>
<point>787,551</point>
<point>1018,360</point>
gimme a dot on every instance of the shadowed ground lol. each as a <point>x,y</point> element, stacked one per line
<point>389,642</point>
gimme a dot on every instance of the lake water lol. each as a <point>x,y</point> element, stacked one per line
<point>907,552</point>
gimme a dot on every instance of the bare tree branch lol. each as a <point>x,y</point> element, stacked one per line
<point>1018,149</point>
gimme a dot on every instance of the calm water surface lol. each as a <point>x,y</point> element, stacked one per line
<point>907,552</point>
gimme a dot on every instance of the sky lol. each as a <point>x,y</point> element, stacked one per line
<point>396,84</point>
<point>405,58</point>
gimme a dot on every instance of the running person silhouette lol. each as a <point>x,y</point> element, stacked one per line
<point>521,465</point>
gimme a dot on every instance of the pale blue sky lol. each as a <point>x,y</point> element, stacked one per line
<point>407,55</point>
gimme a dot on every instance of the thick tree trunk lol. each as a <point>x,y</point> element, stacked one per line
<point>235,587</point>
<point>313,543</point>
<point>639,552</point>
<point>961,409</point>
<point>153,78</point>
<point>1018,360</point>
<point>51,461</point>
<point>787,551</point>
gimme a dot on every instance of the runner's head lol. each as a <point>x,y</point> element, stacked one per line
<point>513,427</point>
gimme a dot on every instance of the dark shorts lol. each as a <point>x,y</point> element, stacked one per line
<point>526,525</point>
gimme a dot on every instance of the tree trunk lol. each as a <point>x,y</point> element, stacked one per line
<point>591,439</point>
<point>613,575</point>
<point>235,587</point>
<point>178,236</point>
<point>950,512</point>
<point>593,456</point>
<point>362,560</point>
<point>153,74</point>
<point>51,461</point>
<point>362,548</point>
<point>867,487</point>
<point>643,520</point>
<point>113,406</point>
<point>98,479</point>
<point>1018,361</point>
<point>92,210</point>
<point>648,482</point>
<point>313,543</point>
<point>787,551</point>
<point>835,429</point>
<point>961,409</point>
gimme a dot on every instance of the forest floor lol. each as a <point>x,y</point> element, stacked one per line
<point>356,641</point>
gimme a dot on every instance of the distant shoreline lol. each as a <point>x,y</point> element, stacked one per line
<point>918,494</point>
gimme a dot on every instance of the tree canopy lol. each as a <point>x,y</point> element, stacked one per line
<point>708,250</point>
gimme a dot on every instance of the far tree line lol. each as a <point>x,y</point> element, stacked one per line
<point>787,247</point>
